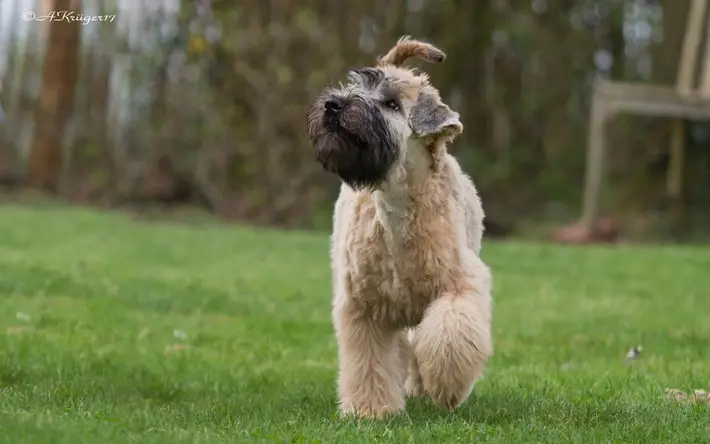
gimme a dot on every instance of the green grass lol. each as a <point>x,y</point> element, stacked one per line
<point>118,331</point>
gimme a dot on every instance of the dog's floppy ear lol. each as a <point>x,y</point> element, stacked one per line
<point>430,117</point>
<point>407,48</point>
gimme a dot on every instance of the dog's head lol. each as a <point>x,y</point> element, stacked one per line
<point>361,130</point>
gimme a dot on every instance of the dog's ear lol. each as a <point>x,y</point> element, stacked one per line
<point>407,48</point>
<point>431,118</point>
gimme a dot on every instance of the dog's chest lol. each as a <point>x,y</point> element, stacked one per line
<point>396,281</point>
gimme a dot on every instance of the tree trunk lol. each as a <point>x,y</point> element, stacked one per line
<point>56,101</point>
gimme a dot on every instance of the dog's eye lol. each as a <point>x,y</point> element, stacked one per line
<point>391,104</point>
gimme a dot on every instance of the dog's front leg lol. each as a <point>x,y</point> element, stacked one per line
<point>452,345</point>
<point>453,342</point>
<point>369,365</point>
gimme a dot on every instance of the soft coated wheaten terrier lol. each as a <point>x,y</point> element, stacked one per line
<point>412,297</point>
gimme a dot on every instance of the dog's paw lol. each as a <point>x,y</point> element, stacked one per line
<point>369,411</point>
<point>448,398</point>
<point>413,386</point>
<point>447,402</point>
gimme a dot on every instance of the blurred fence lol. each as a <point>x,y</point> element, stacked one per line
<point>204,101</point>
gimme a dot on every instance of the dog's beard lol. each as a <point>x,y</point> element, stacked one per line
<point>355,145</point>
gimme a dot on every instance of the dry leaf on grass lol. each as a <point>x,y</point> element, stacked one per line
<point>675,394</point>
<point>701,396</point>
<point>698,396</point>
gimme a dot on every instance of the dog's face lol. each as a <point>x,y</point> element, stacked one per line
<point>361,130</point>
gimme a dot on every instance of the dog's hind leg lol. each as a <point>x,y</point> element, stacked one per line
<point>453,343</point>
<point>370,365</point>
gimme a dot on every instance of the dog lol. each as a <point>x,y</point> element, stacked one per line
<point>411,307</point>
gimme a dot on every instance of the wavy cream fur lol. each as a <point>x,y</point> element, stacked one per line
<point>411,296</point>
<point>412,304</point>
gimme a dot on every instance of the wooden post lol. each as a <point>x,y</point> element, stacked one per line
<point>56,100</point>
<point>697,16</point>
<point>596,142</point>
<point>705,76</point>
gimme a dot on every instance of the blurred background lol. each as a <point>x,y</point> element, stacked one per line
<point>199,105</point>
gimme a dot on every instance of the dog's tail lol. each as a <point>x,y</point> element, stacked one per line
<point>452,345</point>
<point>407,48</point>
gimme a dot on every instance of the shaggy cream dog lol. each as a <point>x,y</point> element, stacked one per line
<point>412,297</point>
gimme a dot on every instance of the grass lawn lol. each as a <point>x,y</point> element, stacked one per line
<point>120,331</point>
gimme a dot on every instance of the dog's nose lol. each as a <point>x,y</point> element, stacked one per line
<point>334,105</point>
